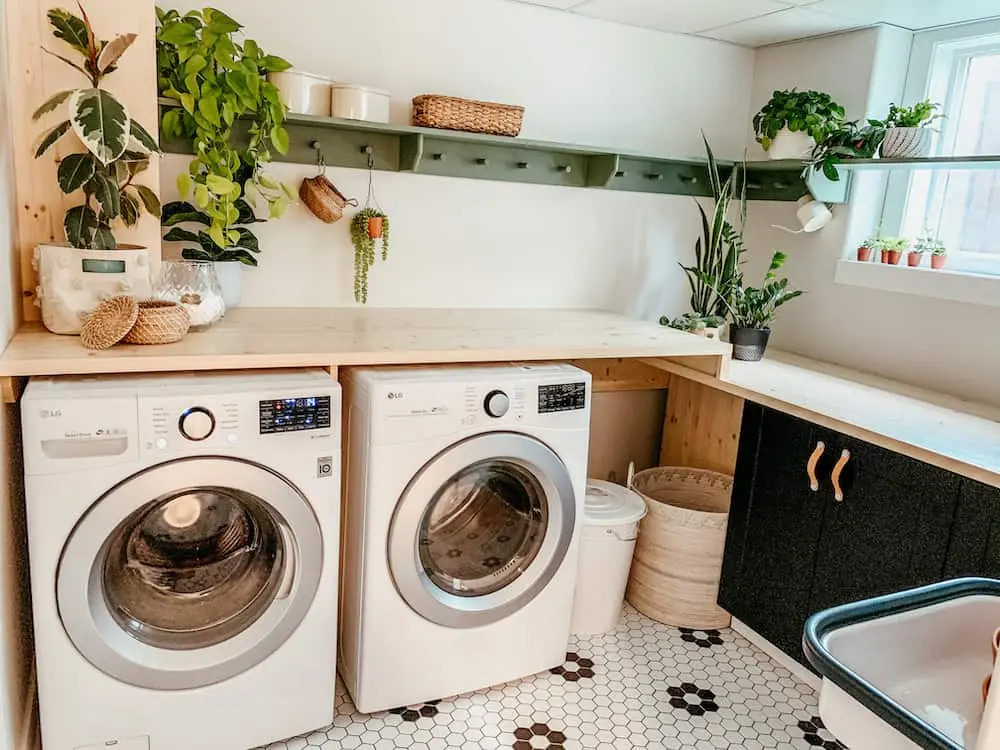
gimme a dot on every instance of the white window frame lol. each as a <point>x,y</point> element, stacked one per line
<point>938,59</point>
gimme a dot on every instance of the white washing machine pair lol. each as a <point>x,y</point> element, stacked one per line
<point>183,535</point>
<point>462,511</point>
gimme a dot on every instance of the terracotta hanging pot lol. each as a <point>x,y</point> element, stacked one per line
<point>374,227</point>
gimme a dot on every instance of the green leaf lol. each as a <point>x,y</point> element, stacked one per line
<point>114,50</point>
<point>195,64</point>
<point>275,64</point>
<point>180,212</point>
<point>51,103</point>
<point>184,182</point>
<point>279,137</point>
<point>103,238</point>
<point>246,213</point>
<point>143,138</point>
<point>67,61</point>
<point>177,34</point>
<point>201,196</point>
<point>129,208</point>
<point>187,101</point>
<point>217,235</point>
<point>208,106</point>
<point>51,137</point>
<point>75,171</point>
<point>80,223</point>
<point>219,185</point>
<point>248,240</point>
<point>150,200</point>
<point>101,122</point>
<point>180,235</point>
<point>191,253</point>
<point>106,191</point>
<point>71,29</point>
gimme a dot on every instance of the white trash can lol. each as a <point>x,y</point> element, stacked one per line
<point>610,526</point>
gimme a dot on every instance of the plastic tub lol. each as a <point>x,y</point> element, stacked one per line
<point>611,518</point>
<point>359,102</point>
<point>303,93</point>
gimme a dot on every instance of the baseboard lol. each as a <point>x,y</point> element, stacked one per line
<point>802,673</point>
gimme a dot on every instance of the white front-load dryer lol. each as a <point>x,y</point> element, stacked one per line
<point>463,505</point>
<point>183,536</point>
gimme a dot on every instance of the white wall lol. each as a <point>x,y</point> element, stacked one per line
<point>466,242</point>
<point>947,346</point>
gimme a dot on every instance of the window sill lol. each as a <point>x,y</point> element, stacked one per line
<point>971,288</point>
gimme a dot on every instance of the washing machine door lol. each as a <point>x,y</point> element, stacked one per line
<point>189,573</point>
<point>481,529</point>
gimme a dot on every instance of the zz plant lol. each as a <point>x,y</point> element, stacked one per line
<point>756,308</point>
<point>216,80</point>
<point>118,148</point>
<point>812,112</point>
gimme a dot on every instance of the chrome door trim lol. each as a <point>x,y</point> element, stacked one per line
<point>79,578</point>
<point>413,584</point>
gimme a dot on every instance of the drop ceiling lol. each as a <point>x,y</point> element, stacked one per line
<point>755,23</point>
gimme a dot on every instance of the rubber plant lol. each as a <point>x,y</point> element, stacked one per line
<point>216,80</point>
<point>118,148</point>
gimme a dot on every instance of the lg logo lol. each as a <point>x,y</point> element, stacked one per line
<point>395,395</point>
<point>46,413</point>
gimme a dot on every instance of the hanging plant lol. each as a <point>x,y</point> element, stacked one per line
<point>118,147</point>
<point>369,228</point>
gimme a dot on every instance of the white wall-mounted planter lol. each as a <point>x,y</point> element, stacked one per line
<point>789,145</point>
<point>906,143</point>
<point>303,93</point>
<point>230,274</point>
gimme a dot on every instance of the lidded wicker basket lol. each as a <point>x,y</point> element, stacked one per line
<point>159,322</point>
<point>468,115</point>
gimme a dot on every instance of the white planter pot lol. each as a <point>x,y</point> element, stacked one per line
<point>72,282</point>
<point>906,143</point>
<point>789,145</point>
<point>230,275</point>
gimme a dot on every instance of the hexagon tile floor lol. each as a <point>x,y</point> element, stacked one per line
<point>646,685</point>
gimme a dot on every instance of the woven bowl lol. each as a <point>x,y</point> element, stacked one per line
<point>159,322</point>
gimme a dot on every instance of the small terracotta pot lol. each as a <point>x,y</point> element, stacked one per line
<point>864,254</point>
<point>938,261</point>
<point>913,259</point>
<point>885,256</point>
<point>374,227</point>
<point>893,257</point>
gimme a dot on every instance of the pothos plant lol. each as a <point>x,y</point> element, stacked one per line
<point>118,147</point>
<point>215,80</point>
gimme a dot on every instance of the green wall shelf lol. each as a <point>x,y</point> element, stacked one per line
<point>447,153</point>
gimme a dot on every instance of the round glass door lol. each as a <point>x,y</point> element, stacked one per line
<point>179,588</point>
<point>481,529</point>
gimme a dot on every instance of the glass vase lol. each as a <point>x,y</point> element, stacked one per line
<point>194,285</point>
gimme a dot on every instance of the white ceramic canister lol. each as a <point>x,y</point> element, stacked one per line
<point>303,93</point>
<point>359,102</point>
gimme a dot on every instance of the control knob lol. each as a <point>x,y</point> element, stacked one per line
<point>197,423</point>
<point>496,404</point>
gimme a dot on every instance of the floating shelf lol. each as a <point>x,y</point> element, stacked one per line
<point>929,162</point>
<point>447,153</point>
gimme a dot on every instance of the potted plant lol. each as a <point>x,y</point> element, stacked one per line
<point>718,253</point>
<point>752,311</point>
<point>369,227</point>
<point>867,248</point>
<point>116,150</point>
<point>892,249</point>
<point>939,253</point>
<point>216,80</point>
<point>793,122</point>
<point>849,140</point>
<point>907,131</point>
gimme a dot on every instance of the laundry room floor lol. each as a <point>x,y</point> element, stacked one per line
<point>646,685</point>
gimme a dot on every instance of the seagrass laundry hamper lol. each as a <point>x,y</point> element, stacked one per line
<point>678,556</point>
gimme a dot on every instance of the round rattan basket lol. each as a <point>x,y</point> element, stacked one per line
<point>678,556</point>
<point>109,322</point>
<point>159,322</point>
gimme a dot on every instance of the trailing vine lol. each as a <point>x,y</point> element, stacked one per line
<point>365,237</point>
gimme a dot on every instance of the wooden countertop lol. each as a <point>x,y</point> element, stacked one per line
<point>255,338</point>
<point>954,434</point>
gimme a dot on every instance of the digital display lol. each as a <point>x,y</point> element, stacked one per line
<point>92,265</point>
<point>562,397</point>
<point>294,414</point>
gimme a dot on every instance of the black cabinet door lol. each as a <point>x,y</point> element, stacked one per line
<point>774,528</point>
<point>974,549</point>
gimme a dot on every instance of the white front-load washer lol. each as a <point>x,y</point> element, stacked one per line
<point>183,536</point>
<point>464,498</point>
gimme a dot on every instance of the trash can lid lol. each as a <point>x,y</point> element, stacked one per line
<point>610,504</point>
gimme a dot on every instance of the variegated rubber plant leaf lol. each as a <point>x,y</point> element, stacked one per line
<point>101,122</point>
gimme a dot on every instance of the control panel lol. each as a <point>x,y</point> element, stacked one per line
<point>294,414</point>
<point>562,397</point>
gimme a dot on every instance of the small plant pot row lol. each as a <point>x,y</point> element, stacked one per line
<point>893,257</point>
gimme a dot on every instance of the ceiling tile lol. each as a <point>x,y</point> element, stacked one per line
<point>684,16</point>
<point>910,14</point>
<point>783,26</point>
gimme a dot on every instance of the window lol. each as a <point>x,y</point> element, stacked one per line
<point>960,68</point>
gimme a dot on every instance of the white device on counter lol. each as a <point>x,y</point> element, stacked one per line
<point>72,282</point>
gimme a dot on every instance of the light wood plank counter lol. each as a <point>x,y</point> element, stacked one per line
<point>254,338</point>
<point>951,433</point>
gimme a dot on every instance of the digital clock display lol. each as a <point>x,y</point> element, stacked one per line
<point>294,414</point>
<point>562,397</point>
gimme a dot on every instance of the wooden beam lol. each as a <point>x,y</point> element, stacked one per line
<point>701,428</point>
<point>623,374</point>
<point>11,388</point>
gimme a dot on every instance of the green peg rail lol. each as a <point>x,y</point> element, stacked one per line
<point>446,153</point>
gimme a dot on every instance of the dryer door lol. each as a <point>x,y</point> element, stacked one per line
<point>481,529</point>
<point>189,573</point>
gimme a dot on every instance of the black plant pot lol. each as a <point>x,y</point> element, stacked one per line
<point>749,343</point>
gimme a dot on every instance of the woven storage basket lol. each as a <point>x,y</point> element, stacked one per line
<point>678,557</point>
<point>452,113</point>
<point>109,322</point>
<point>159,322</point>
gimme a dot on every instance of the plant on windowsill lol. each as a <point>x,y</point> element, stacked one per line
<point>718,253</point>
<point>892,249</point>
<point>117,149</point>
<point>867,248</point>
<point>908,131</point>
<point>215,80</point>
<point>753,310</point>
<point>939,253</point>
<point>793,122</point>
